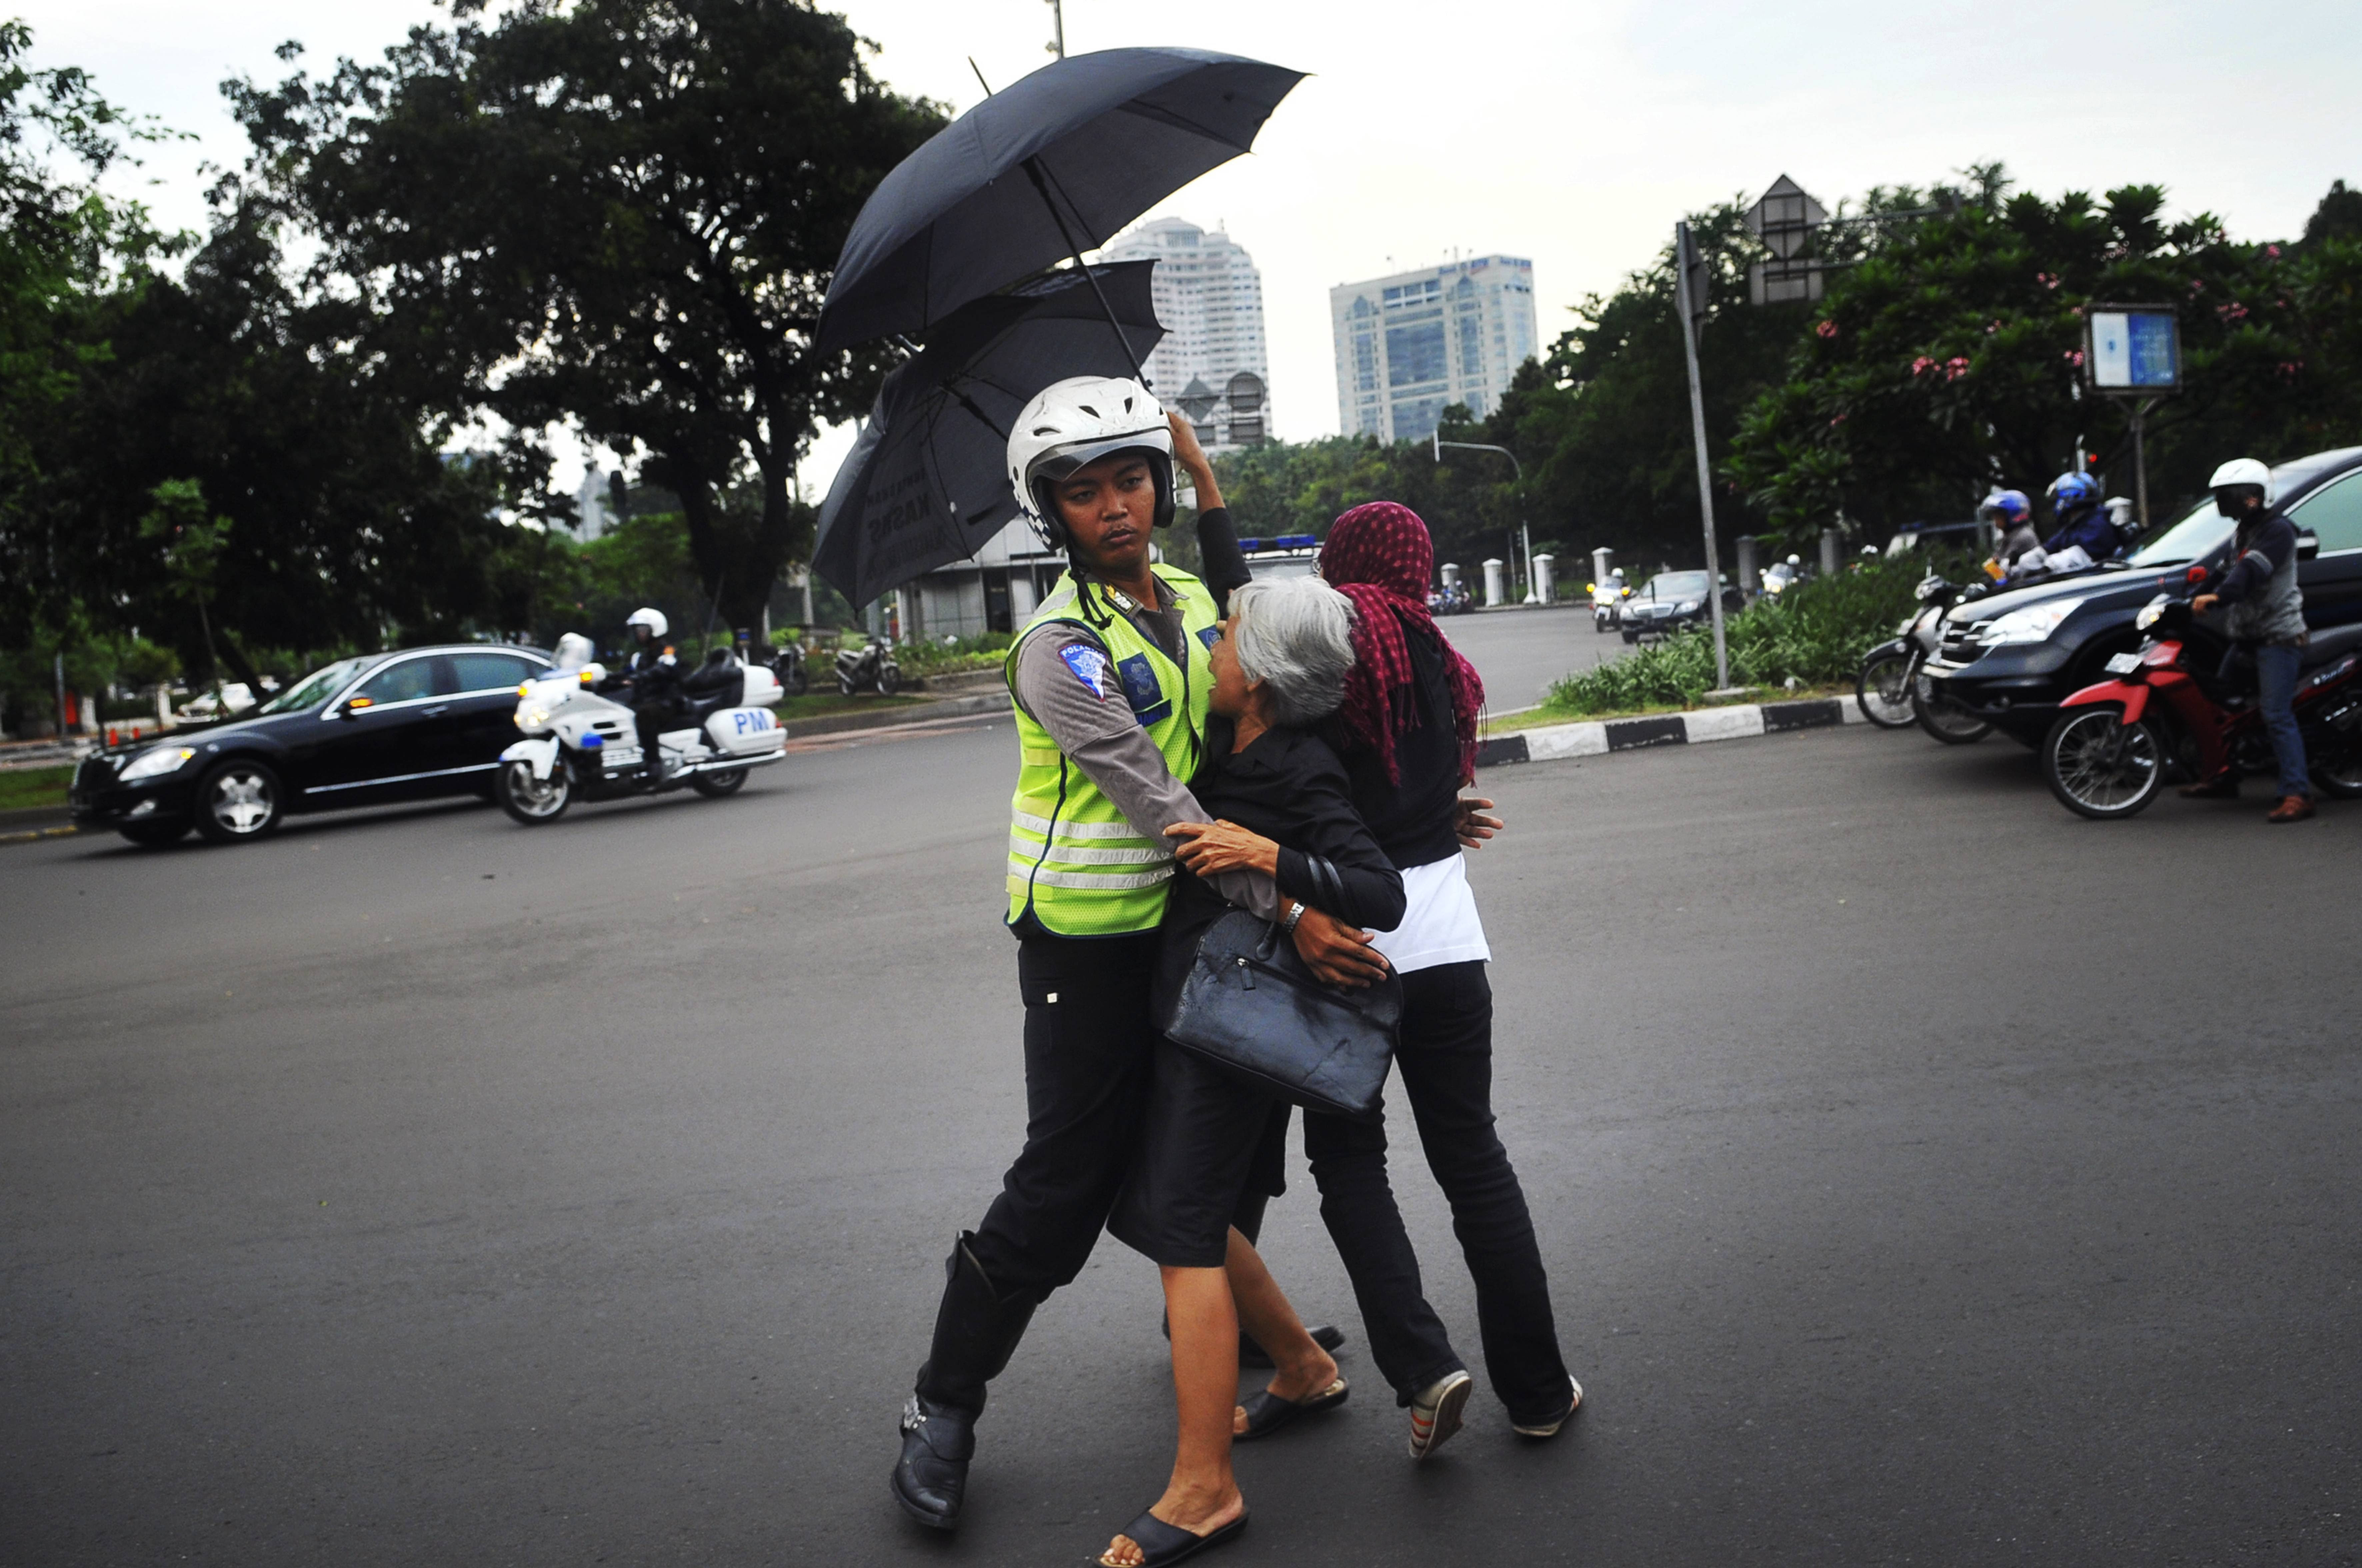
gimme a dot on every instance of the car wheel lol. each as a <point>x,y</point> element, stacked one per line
<point>1631,636</point>
<point>240,800</point>
<point>715,785</point>
<point>533,800</point>
<point>1883,688</point>
<point>154,836</point>
<point>2099,766</point>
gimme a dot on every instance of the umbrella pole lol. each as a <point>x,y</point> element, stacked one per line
<point>1033,169</point>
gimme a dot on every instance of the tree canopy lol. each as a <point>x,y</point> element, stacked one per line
<point>616,214</point>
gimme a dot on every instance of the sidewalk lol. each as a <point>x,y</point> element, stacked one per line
<point>1551,743</point>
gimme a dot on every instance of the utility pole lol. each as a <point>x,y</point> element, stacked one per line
<point>1058,28</point>
<point>1689,289</point>
<point>1518,470</point>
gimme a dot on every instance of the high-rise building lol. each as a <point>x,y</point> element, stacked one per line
<point>1209,297</point>
<point>1411,345</point>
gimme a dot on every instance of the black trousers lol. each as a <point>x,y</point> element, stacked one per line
<point>1089,1057</point>
<point>1445,1056</point>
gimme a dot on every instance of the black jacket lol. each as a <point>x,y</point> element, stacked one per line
<point>1413,818</point>
<point>1290,788</point>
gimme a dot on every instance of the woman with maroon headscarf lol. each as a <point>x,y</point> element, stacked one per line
<point>1407,735</point>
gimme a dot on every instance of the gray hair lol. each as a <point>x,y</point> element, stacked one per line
<point>1295,635</point>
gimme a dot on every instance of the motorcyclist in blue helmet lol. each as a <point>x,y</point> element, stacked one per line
<point>2012,517</point>
<point>2083,522</point>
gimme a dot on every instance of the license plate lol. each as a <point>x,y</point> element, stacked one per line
<point>2122,663</point>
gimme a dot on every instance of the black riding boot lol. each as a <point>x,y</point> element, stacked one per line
<point>976,1331</point>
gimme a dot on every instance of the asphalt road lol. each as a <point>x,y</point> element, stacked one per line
<point>1521,652</point>
<point>1924,1176</point>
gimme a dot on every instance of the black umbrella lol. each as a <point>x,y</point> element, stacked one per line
<point>1050,167</point>
<point>928,481</point>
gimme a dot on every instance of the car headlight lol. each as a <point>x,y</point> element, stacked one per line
<point>1685,606</point>
<point>2032,624</point>
<point>157,761</point>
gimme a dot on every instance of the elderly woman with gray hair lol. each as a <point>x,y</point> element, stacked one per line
<point>1284,803</point>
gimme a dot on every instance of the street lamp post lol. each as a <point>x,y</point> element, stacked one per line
<point>1525,534</point>
<point>1058,28</point>
<point>1689,279</point>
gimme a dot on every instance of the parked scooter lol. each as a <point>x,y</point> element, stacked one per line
<point>581,744</point>
<point>2168,712</point>
<point>1451,599</point>
<point>869,668</point>
<point>1892,693</point>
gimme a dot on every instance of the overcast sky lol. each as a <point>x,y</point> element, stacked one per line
<point>1570,132</point>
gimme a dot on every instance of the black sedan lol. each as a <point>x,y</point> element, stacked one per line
<point>2011,657</point>
<point>363,732</point>
<point>1665,603</point>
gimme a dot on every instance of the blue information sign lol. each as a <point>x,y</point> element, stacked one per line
<point>2134,350</point>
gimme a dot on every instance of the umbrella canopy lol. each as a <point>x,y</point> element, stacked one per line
<point>928,481</point>
<point>1050,167</point>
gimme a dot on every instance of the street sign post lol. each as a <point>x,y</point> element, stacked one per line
<point>2133,352</point>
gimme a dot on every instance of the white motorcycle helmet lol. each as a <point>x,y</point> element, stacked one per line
<point>2243,471</point>
<point>652,618</point>
<point>1074,423</point>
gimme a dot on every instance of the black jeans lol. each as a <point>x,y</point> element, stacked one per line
<point>1089,1060</point>
<point>1446,1057</point>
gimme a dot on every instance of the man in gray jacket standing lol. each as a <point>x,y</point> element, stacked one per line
<point>2266,617</point>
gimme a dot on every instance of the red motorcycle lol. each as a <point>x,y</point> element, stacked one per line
<point>2170,712</point>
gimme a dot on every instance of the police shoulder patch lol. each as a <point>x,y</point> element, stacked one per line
<point>1090,667</point>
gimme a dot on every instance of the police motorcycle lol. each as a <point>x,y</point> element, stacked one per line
<point>1608,599</point>
<point>580,742</point>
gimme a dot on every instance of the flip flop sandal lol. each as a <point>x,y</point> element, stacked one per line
<point>1161,1543</point>
<point>1268,1412</point>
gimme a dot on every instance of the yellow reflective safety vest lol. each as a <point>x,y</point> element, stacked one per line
<point>1076,863</point>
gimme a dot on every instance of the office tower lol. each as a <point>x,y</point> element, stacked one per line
<point>1411,345</point>
<point>1209,297</point>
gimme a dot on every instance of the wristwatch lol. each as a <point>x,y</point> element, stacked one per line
<point>1288,921</point>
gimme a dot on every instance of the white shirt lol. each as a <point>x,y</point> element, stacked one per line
<point>1439,923</point>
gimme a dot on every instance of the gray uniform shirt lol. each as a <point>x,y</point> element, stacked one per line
<point>1108,743</point>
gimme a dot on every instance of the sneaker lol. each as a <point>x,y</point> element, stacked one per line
<point>1435,1412</point>
<point>1549,1429</point>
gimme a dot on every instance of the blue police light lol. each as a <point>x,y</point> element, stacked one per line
<point>1252,544</point>
<point>593,742</point>
<point>1296,541</point>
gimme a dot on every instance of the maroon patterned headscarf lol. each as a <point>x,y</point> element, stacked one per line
<point>1381,557</point>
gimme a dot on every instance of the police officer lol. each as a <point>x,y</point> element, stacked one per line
<point>653,675</point>
<point>1110,679</point>
<point>2266,618</point>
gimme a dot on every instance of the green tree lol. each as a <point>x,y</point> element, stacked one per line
<point>619,213</point>
<point>1949,361</point>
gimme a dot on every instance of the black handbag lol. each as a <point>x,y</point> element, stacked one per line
<point>1251,1006</point>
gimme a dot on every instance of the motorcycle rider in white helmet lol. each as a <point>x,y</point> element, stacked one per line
<point>654,676</point>
<point>1111,679</point>
<point>2266,618</point>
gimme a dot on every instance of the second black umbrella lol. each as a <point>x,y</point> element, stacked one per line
<point>927,481</point>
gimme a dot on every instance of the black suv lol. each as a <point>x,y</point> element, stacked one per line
<point>363,732</point>
<point>2011,657</point>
